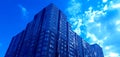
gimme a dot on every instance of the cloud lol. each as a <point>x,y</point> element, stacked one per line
<point>24,11</point>
<point>117,23</point>
<point>108,47</point>
<point>105,7</point>
<point>74,8</point>
<point>112,54</point>
<point>78,24</point>
<point>104,1</point>
<point>100,21</point>
<point>115,6</point>
<point>92,15</point>
<point>109,51</point>
<point>74,17</point>
<point>94,38</point>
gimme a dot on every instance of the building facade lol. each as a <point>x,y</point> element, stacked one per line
<point>50,35</point>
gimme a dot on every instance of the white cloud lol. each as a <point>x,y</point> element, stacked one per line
<point>92,36</point>
<point>116,5</point>
<point>118,28</point>
<point>92,15</point>
<point>108,47</point>
<point>112,54</point>
<point>105,38</point>
<point>105,7</point>
<point>23,11</point>
<point>77,30</point>
<point>78,24</point>
<point>104,1</point>
<point>74,8</point>
<point>99,26</point>
<point>75,19</point>
<point>95,39</point>
<point>117,23</point>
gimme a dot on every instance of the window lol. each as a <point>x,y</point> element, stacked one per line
<point>40,41</point>
<point>52,42</point>
<point>51,50</point>
<point>42,34</point>
<point>65,53</point>
<point>45,43</point>
<point>53,38</point>
<point>62,47</point>
<point>44,53</point>
<point>46,35</point>
<point>71,55</point>
<point>46,39</point>
<point>61,51</point>
<point>44,48</point>
<point>65,49</point>
<point>39,49</point>
<point>50,55</point>
<point>38,55</point>
<point>71,49</point>
<point>51,46</point>
<point>52,34</point>
<point>41,37</point>
<point>86,55</point>
<point>71,45</point>
<point>47,31</point>
<point>62,43</point>
<point>65,45</point>
<point>40,45</point>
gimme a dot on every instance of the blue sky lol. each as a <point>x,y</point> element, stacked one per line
<point>97,21</point>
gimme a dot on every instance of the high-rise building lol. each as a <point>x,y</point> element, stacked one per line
<point>50,35</point>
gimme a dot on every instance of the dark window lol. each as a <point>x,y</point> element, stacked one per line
<point>44,53</point>
<point>53,38</point>
<point>40,41</point>
<point>45,43</point>
<point>52,42</point>
<point>47,31</point>
<point>42,34</point>
<point>46,35</point>
<point>52,34</point>
<point>71,56</point>
<point>61,51</point>
<point>38,55</point>
<point>46,39</point>
<point>50,55</point>
<point>39,50</point>
<point>51,50</point>
<point>40,45</point>
<point>44,48</point>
